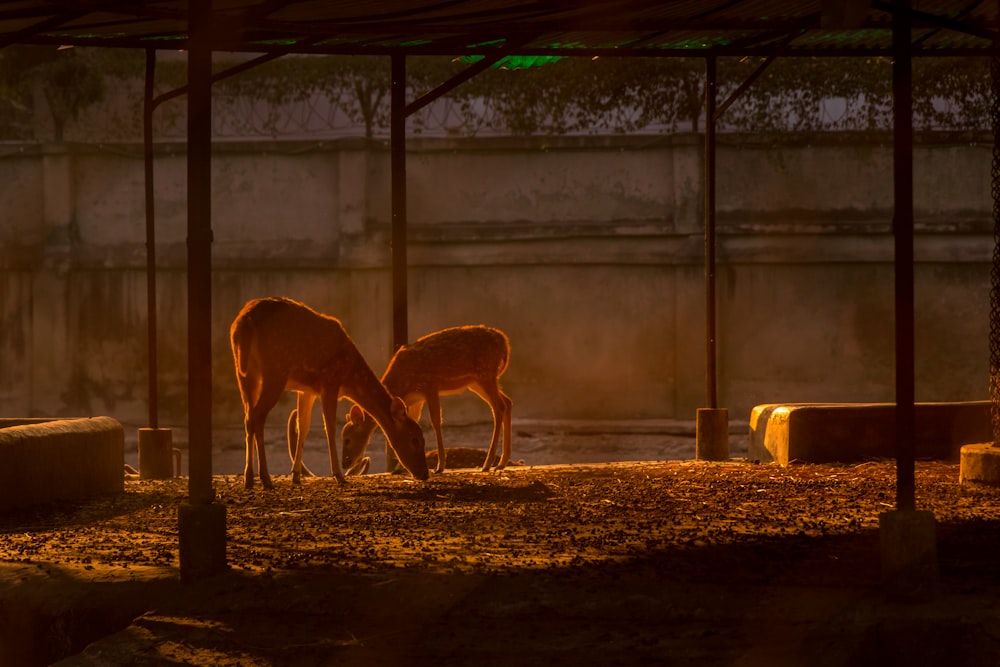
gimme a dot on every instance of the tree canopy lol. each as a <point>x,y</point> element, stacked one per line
<point>303,95</point>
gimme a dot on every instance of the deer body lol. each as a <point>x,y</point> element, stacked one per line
<point>283,345</point>
<point>445,362</point>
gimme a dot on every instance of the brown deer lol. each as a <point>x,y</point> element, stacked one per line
<point>280,344</point>
<point>445,362</point>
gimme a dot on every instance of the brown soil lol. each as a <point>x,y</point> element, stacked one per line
<point>678,562</point>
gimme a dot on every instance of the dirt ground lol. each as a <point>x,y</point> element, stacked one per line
<point>629,563</point>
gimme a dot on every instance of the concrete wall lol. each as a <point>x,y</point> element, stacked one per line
<point>587,251</point>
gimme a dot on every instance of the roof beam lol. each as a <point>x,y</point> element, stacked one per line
<point>460,78</point>
<point>742,88</point>
<point>41,26</point>
<point>934,20</point>
<point>735,95</point>
<point>224,74</point>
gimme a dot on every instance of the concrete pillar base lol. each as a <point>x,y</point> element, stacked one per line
<point>156,452</point>
<point>980,463</point>
<point>712,434</point>
<point>909,555</point>
<point>202,537</point>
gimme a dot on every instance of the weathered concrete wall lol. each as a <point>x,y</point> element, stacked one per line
<point>587,251</point>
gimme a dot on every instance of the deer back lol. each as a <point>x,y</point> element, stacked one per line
<point>447,360</point>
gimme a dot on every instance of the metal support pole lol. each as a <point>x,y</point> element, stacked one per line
<point>397,141</point>
<point>147,143</point>
<point>902,95</point>
<point>710,94</point>
<point>712,422</point>
<point>199,251</point>
<point>397,134</point>
<point>201,523</point>
<point>993,381</point>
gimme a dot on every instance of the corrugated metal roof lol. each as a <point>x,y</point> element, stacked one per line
<point>457,27</point>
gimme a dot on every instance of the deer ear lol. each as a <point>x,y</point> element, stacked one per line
<point>398,410</point>
<point>356,415</point>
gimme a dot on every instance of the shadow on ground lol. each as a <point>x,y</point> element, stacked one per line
<point>615,564</point>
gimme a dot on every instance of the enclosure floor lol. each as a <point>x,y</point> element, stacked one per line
<point>668,562</point>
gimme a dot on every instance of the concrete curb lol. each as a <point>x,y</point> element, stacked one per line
<point>846,432</point>
<point>61,459</point>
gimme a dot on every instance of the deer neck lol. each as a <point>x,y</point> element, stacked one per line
<point>365,389</point>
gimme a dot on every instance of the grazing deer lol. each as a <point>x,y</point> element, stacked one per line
<point>445,362</point>
<point>280,344</point>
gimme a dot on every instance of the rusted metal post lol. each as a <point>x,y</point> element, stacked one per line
<point>710,324</point>
<point>902,94</point>
<point>147,145</point>
<point>397,138</point>
<point>155,444</point>
<point>397,141</point>
<point>201,522</point>
<point>712,422</point>
<point>199,252</point>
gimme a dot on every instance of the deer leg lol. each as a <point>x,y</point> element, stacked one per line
<point>303,411</point>
<point>491,394</point>
<point>249,393</point>
<point>329,402</point>
<point>265,476</point>
<point>293,438</point>
<point>251,449</point>
<point>254,425</point>
<point>268,398</point>
<point>508,410</point>
<point>434,412</point>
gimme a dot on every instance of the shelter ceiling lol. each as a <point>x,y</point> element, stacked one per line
<point>528,27</point>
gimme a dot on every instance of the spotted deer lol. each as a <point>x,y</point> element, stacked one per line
<point>283,345</point>
<point>445,362</point>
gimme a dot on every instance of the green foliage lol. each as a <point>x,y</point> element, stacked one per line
<point>358,86</point>
<point>948,94</point>
<point>962,85</point>
<point>61,82</point>
<point>571,96</point>
<point>625,95</point>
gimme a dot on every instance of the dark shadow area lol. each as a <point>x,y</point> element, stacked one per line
<point>68,513</point>
<point>620,564</point>
<point>790,600</point>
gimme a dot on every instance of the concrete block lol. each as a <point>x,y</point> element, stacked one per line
<point>846,432</point>
<point>712,434</point>
<point>65,459</point>
<point>909,555</point>
<point>980,463</point>
<point>202,540</point>
<point>156,453</point>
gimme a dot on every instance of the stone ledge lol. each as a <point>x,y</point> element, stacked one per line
<point>846,432</point>
<point>60,459</point>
